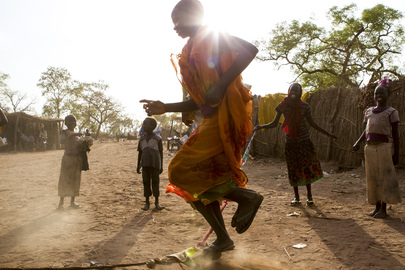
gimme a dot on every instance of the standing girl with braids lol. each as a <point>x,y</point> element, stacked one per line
<point>381,134</point>
<point>302,161</point>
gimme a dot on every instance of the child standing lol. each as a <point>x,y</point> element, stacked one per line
<point>150,158</point>
<point>380,133</point>
<point>302,161</point>
<point>71,167</point>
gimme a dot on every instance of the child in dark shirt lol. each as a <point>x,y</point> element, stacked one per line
<point>150,159</point>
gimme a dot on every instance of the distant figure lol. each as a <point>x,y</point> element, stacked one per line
<point>302,160</point>
<point>381,134</point>
<point>150,159</point>
<point>42,139</point>
<point>71,166</point>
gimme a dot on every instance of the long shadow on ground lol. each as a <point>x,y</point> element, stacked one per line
<point>348,241</point>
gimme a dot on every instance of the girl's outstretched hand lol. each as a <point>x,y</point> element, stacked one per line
<point>153,107</point>
<point>356,147</point>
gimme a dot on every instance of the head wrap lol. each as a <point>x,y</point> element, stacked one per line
<point>385,81</point>
<point>292,120</point>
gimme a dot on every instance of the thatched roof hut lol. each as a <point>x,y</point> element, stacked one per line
<point>29,125</point>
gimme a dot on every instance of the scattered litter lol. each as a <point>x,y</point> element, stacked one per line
<point>287,253</point>
<point>300,245</point>
<point>294,214</point>
<point>325,173</point>
<point>337,191</point>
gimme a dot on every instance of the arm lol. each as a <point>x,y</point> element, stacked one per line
<point>63,138</point>
<point>356,145</point>
<point>138,168</point>
<point>246,53</point>
<point>395,137</point>
<point>273,124</point>
<point>161,156</point>
<point>320,129</point>
<point>3,118</point>
<point>154,107</point>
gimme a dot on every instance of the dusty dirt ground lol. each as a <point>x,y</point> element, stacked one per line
<point>111,228</point>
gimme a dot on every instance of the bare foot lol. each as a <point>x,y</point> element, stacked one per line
<point>159,207</point>
<point>60,208</point>
<point>380,214</point>
<point>146,207</point>
<point>372,213</point>
<point>74,206</point>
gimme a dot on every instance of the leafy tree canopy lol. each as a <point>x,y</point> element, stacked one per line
<point>353,51</point>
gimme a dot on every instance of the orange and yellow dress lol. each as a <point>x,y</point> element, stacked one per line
<point>208,165</point>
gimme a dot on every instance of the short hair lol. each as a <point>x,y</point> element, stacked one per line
<point>194,8</point>
<point>69,116</point>
<point>152,120</point>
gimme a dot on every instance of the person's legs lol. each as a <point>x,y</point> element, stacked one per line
<point>73,205</point>
<point>210,212</point>
<point>249,202</point>
<point>296,199</point>
<point>310,201</point>
<point>375,211</point>
<point>155,187</point>
<point>60,206</point>
<point>382,212</point>
<point>147,192</point>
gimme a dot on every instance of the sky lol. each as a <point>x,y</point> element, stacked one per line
<point>128,43</point>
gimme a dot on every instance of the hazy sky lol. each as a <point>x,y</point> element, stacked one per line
<point>128,43</point>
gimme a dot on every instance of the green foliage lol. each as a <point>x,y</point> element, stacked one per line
<point>60,91</point>
<point>354,49</point>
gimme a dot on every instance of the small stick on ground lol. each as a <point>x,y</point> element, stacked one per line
<point>287,253</point>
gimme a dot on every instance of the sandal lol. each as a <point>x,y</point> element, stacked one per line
<point>310,203</point>
<point>295,202</point>
<point>220,247</point>
<point>249,217</point>
<point>74,206</point>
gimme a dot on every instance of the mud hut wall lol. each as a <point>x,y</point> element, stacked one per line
<point>397,101</point>
<point>335,110</point>
<point>30,125</point>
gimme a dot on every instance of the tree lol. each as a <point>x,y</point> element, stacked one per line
<point>60,90</point>
<point>18,101</point>
<point>100,108</point>
<point>352,50</point>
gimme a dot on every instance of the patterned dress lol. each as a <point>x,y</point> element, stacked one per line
<point>302,160</point>
<point>208,165</point>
